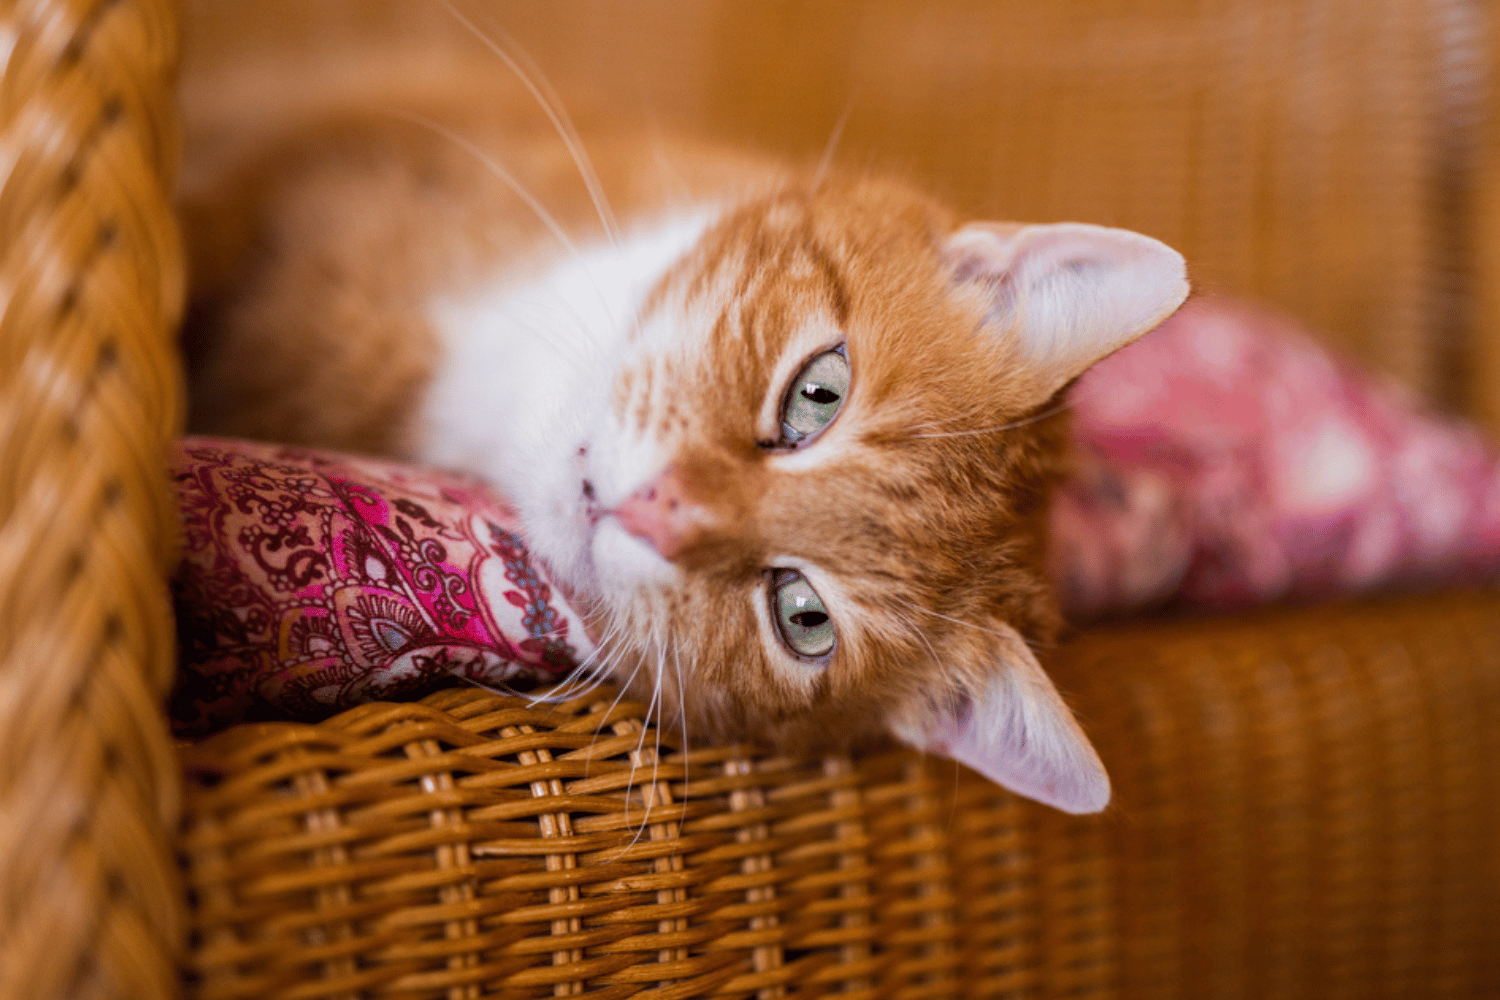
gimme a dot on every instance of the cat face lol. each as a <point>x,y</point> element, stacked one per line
<point>804,501</point>
<point>812,507</point>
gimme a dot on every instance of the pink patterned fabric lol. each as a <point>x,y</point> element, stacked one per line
<point>1227,460</point>
<point>311,582</point>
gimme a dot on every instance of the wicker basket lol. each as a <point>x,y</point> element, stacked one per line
<point>1306,800</point>
<point>1306,806</point>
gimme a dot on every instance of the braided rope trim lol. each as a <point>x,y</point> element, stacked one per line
<point>91,284</point>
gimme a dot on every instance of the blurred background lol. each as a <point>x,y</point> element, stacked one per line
<point>1308,798</point>
<point>1326,157</point>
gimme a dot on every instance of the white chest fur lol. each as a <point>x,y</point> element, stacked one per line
<point>525,373</point>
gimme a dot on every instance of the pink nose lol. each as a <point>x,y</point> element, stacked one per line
<point>661,514</point>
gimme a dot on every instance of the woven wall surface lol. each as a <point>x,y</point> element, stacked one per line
<point>1481,371</point>
<point>90,290</point>
<point>1305,807</point>
<point>1305,799</point>
<point>1314,155</point>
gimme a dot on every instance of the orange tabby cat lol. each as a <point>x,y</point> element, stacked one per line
<point>786,436</point>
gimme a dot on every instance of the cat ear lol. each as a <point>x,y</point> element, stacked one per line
<point>1017,732</point>
<point>1071,293</point>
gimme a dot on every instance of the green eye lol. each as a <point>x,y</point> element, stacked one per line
<point>815,395</point>
<point>801,619</point>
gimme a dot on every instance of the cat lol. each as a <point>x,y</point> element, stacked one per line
<point>786,435</point>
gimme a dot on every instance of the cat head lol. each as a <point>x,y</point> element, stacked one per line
<point>815,503</point>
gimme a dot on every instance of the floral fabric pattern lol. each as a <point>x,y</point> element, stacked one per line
<point>312,582</point>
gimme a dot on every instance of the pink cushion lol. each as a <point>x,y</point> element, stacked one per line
<point>1227,460</point>
<point>311,582</point>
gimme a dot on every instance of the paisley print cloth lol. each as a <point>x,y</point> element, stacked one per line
<point>312,582</point>
<point>1225,460</point>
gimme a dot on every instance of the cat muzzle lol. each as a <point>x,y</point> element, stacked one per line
<point>662,514</point>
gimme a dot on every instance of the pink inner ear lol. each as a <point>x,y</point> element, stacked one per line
<point>1069,293</point>
<point>1015,730</point>
<point>1045,759</point>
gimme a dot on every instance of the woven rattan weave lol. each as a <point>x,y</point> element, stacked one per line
<point>1305,800</point>
<point>1305,806</point>
<point>90,290</point>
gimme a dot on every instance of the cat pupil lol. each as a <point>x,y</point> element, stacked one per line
<point>809,619</point>
<point>818,394</point>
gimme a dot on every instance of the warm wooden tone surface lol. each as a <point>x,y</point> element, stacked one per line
<point>1306,800</point>
<point>90,291</point>
<point>1301,153</point>
<point>1481,371</point>
<point>1305,806</point>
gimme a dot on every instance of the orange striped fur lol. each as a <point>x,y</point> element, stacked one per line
<point>918,514</point>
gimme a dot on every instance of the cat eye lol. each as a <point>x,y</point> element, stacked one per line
<point>801,620</point>
<point>814,397</point>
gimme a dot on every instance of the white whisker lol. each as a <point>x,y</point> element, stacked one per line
<point>1034,418</point>
<point>656,690</point>
<point>595,668</point>
<point>561,346</point>
<point>620,693</point>
<point>531,201</point>
<point>576,687</point>
<point>623,688</point>
<point>833,141</point>
<point>560,691</point>
<point>956,621</point>
<point>916,630</point>
<point>656,754</point>
<point>647,791</point>
<point>495,168</point>
<point>669,171</point>
<point>565,691</point>
<point>484,686</point>
<point>536,83</point>
<point>682,706</point>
